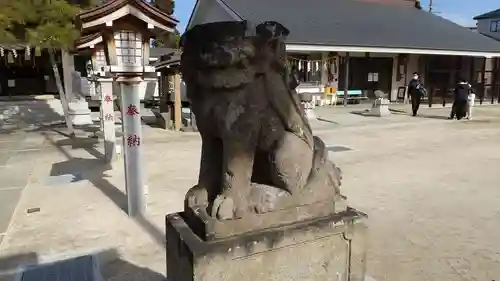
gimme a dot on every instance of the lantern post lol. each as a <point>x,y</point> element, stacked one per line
<point>125,28</point>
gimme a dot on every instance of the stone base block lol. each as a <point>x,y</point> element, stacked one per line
<point>81,119</point>
<point>163,119</point>
<point>380,107</point>
<point>327,248</point>
<point>79,113</point>
<point>310,114</point>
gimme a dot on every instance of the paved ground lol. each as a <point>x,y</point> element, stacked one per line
<point>18,150</point>
<point>16,163</point>
<point>429,185</point>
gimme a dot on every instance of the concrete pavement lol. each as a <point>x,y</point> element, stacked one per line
<point>19,148</point>
<point>17,157</point>
<point>429,186</point>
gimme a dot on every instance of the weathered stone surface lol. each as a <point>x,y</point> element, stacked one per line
<point>209,228</point>
<point>328,248</point>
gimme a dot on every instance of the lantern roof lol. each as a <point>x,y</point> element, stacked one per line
<point>88,41</point>
<point>91,20</point>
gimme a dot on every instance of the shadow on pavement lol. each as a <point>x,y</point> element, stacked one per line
<point>399,112</point>
<point>432,116</point>
<point>364,113</point>
<point>16,116</point>
<point>9,265</point>
<point>97,266</point>
<point>94,170</point>
<point>327,120</point>
<point>121,270</point>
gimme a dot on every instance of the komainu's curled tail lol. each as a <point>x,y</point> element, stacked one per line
<point>322,167</point>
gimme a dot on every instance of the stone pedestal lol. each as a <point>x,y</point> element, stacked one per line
<point>380,107</point>
<point>163,119</point>
<point>326,248</point>
<point>310,113</point>
<point>79,112</point>
<point>193,122</point>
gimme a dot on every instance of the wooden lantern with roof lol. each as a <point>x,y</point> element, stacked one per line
<point>119,33</point>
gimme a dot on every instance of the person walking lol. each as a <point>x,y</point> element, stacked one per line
<point>416,91</point>
<point>461,95</point>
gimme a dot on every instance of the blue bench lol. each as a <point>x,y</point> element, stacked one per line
<point>354,95</point>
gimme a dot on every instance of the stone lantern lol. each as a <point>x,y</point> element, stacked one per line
<point>120,31</point>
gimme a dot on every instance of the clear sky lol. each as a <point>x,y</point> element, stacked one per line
<point>459,11</point>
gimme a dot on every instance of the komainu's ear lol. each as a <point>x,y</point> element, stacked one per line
<point>271,29</point>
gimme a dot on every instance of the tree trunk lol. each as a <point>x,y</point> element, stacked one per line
<point>62,95</point>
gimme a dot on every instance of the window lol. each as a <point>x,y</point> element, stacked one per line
<point>373,77</point>
<point>128,48</point>
<point>100,58</point>
<point>495,26</point>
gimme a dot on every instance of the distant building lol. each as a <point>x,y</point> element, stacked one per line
<point>489,24</point>
<point>382,41</point>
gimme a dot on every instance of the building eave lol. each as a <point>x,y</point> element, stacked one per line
<point>88,41</point>
<point>19,46</point>
<point>291,47</point>
<point>233,14</point>
<point>488,15</point>
<point>169,60</point>
<point>195,9</point>
<point>167,64</point>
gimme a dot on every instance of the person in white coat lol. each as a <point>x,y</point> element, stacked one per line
<point>470,103</point>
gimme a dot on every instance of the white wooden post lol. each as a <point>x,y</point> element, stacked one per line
<point>133,142</point>
<point>177,102</point>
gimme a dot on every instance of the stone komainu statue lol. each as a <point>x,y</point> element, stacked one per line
<point>258,150</point>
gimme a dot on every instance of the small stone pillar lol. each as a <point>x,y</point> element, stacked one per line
<point>78,108</point>
<point>306,101</point>
<point>108,119</point>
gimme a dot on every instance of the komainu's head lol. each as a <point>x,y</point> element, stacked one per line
<point>225,55</point>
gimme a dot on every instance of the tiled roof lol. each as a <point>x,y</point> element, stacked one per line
<point>362,24</point>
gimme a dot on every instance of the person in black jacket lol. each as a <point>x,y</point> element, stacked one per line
<point>416,90</point>
<point>461,94</point>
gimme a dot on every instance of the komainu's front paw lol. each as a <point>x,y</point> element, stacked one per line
<point>196,196</point>
<point>223,208</point>
<point>265,198</point>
